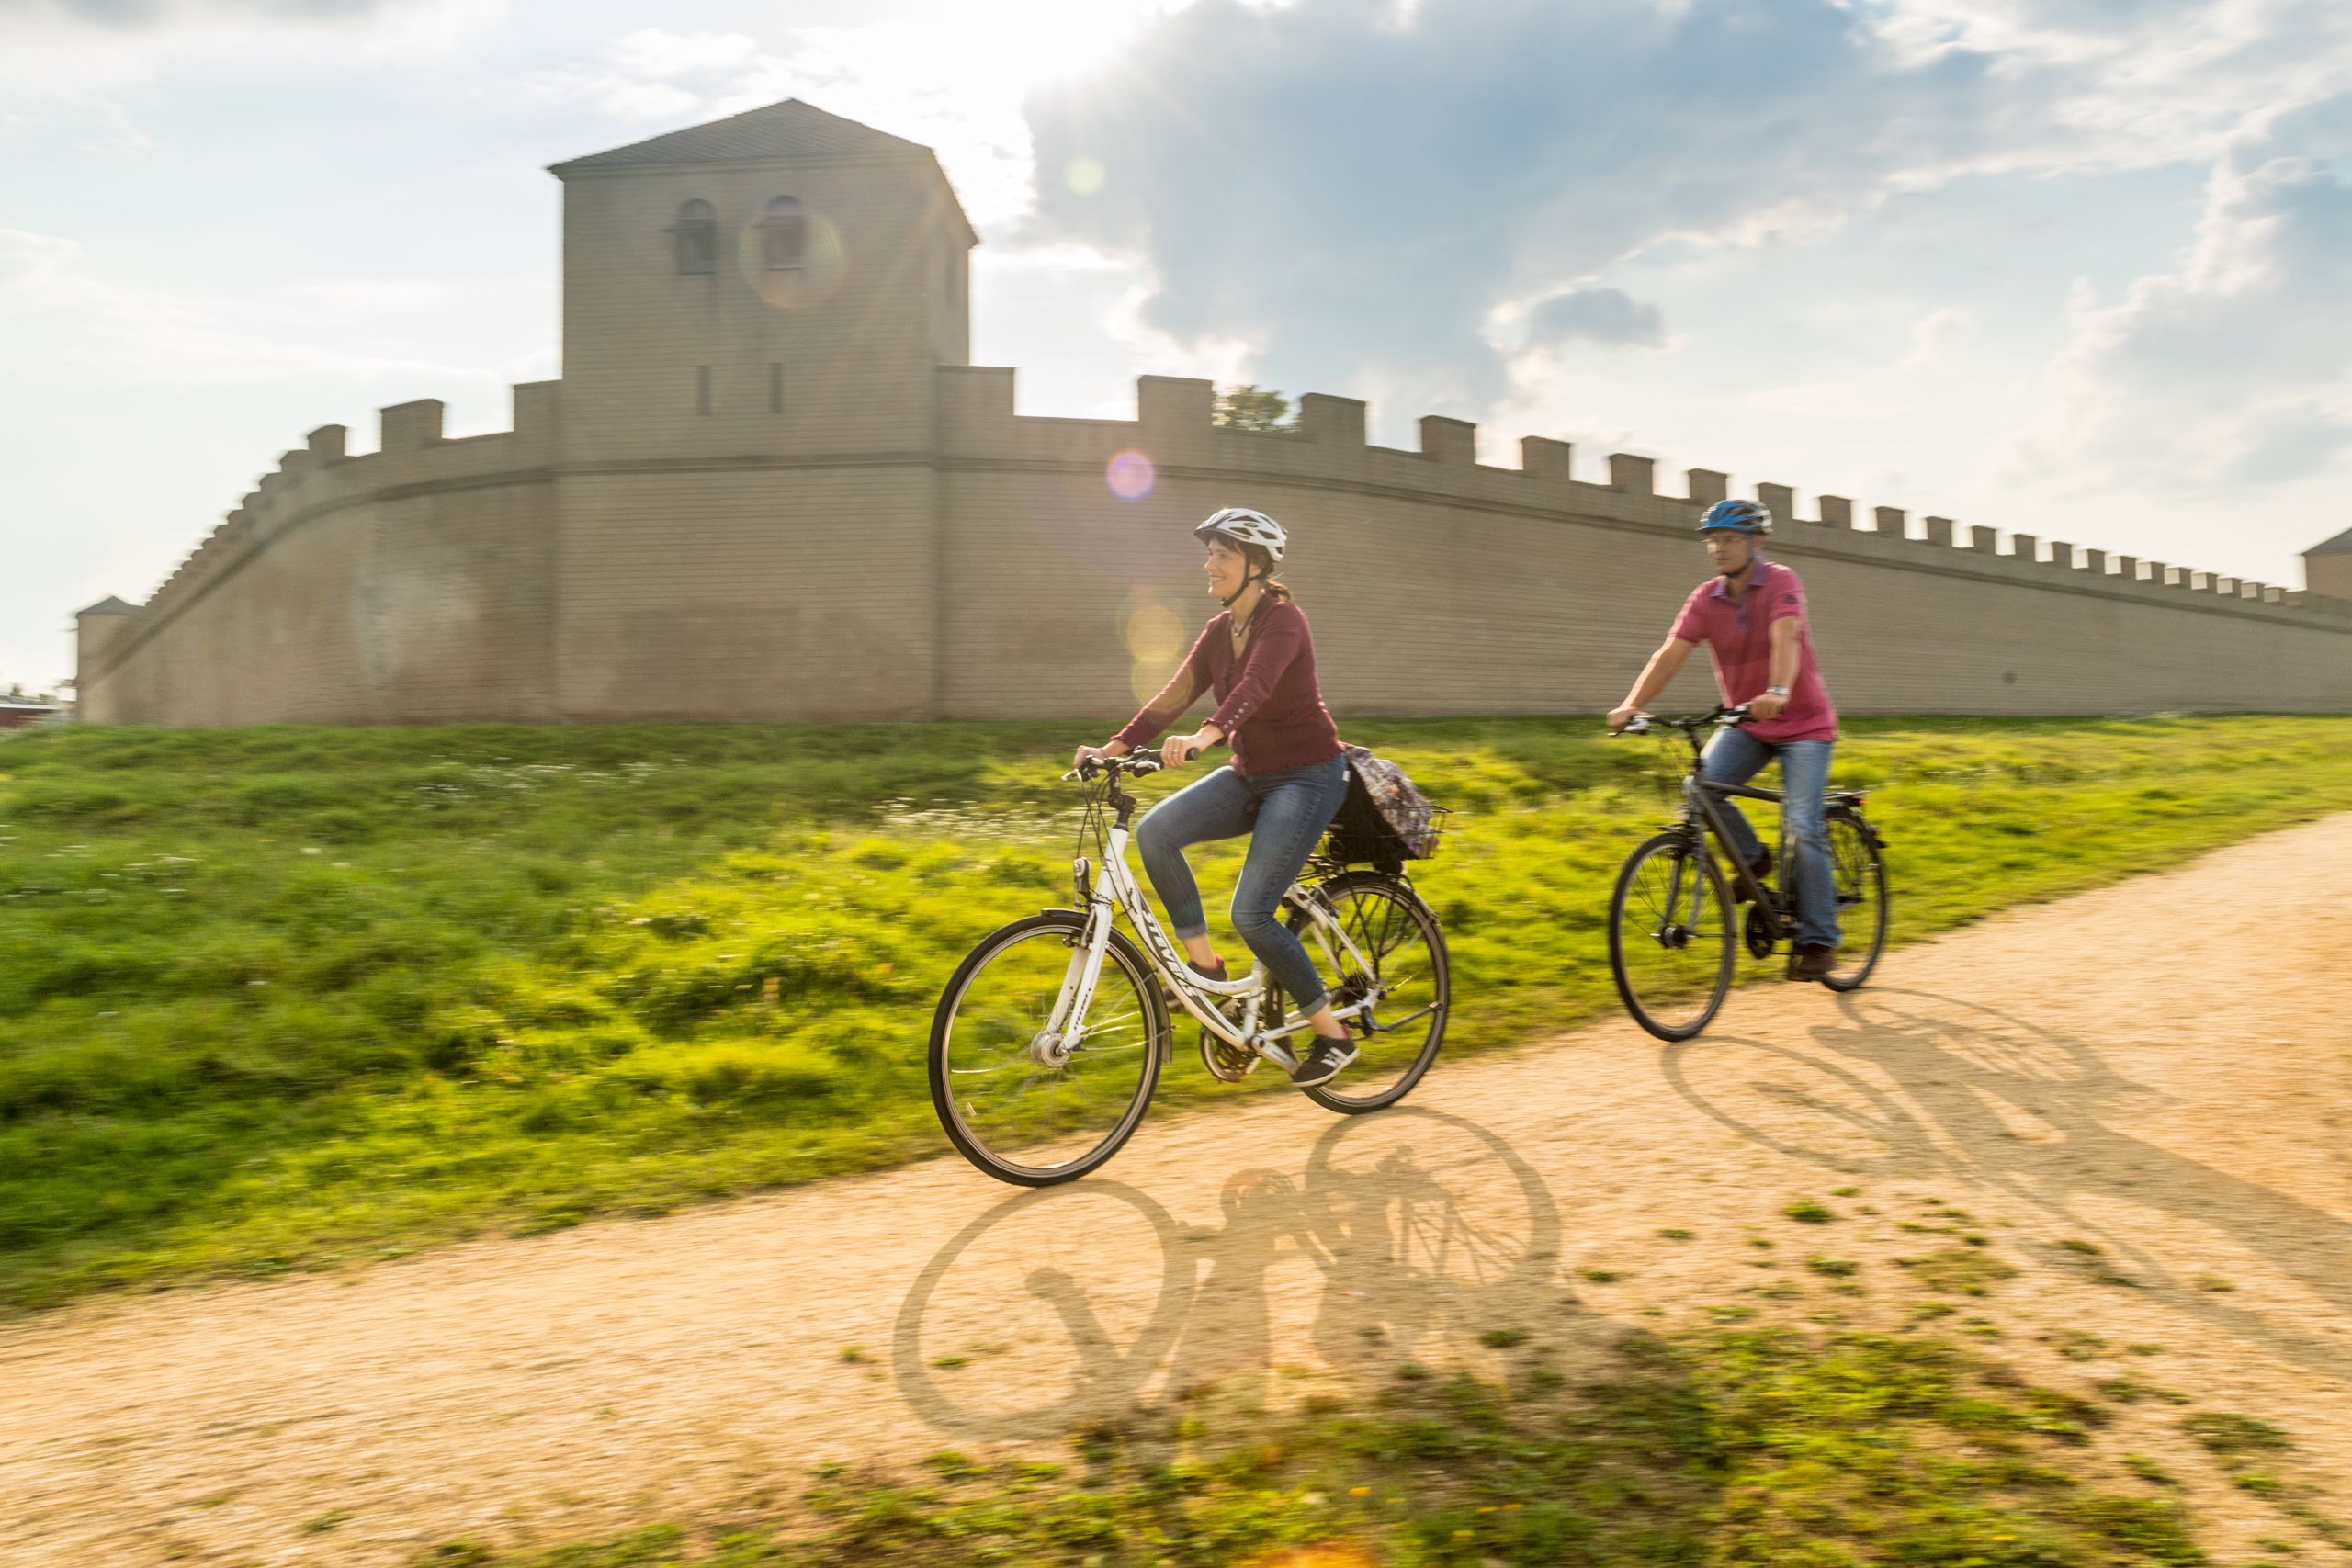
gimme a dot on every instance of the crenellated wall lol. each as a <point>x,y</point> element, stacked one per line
<point>409,584</point>
<point>1438,584</point>
<point>997,574</point>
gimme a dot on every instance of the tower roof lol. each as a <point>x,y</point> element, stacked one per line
<point>789,129</point>
<point>109,605</point>
<point>2339,546</point>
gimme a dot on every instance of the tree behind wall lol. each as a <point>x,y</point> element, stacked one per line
<point>1260,409</point>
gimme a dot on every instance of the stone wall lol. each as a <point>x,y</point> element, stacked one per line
<point>986,569</point>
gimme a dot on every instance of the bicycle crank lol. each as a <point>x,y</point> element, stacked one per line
<point>1760,932</point>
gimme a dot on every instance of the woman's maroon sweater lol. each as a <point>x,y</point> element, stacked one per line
<point>1268,704</point>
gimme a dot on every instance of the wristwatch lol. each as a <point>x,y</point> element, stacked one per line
<point>1776,691</point>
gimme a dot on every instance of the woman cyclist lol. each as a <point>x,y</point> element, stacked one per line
<point>1286,782</point>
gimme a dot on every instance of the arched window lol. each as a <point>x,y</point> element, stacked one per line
<point>784,228</point>
<point>696,234</point>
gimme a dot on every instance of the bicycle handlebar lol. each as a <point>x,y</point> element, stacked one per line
<point>1135,764</point>
<point>1728,718</point>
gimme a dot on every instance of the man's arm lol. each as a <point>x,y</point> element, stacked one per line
<point>1783,668</point>
<point>1657,676</point>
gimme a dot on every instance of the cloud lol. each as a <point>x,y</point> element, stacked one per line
<point>1934,334</point>
<point>1359,188</point>
<point>151,12</point>
<point>57,310</point>
<point>2237,368</point>
<point>69,52</point>
<point>952,80</point>
<point>1596,315</point>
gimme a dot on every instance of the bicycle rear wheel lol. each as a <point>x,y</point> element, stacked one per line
<point>1670,936</point>
<point>1015,1107</point>
<point>1860,870</point>
<point>1400,937</point>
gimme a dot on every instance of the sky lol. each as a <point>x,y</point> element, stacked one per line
<point>2075,268</point>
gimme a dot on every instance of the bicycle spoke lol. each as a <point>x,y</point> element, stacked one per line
<point>1668,926</point>
<point>1047,1117</point>
<point>1378,940</point>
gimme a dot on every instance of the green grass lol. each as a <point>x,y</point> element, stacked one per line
<point>275,997</point>
<point>1769,1445</point>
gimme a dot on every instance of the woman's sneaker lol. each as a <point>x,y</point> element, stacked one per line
<point>1323,1063</point>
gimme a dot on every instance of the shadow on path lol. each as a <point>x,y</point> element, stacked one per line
<point>1064,1304</point>
<point>1993,1100</point>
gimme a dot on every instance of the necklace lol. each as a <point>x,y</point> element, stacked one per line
<point>1241,629</point>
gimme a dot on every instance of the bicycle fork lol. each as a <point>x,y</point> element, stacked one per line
<point>1051,1046</point>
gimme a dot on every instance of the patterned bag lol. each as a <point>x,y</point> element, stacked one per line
<point>1385,820</point>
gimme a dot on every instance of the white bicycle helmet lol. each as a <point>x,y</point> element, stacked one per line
<point>1239,525</point>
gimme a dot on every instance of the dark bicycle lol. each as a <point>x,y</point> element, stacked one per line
<point>1672,942</point>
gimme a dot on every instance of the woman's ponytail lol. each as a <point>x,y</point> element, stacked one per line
<point>1274,586</point>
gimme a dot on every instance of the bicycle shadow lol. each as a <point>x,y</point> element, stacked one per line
<point>2016,1108</point>
<point>1090,1303</point>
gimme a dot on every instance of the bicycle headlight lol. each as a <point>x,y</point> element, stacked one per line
<point>1081,878</point>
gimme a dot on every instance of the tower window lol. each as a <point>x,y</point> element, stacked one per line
<point>784,229</point>
<point>695,236</point>
<point>775,386</point>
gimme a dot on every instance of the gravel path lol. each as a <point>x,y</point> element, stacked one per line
<point>2162,1070</point>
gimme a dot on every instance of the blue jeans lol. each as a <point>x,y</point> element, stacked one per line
<point>1291,810</point>
<point>1733,756</point>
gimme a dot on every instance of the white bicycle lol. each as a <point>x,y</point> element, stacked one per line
<point>1050,1035</point>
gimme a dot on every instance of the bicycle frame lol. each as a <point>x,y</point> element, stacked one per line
<point>1116,891</point>
<point>1700,794</point>
<point>1701,813</point>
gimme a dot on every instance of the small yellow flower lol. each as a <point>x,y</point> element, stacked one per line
<point>1461,1535</point>
<point>1359,1491</point>
<point>1513,1507</point>
<point>1489,1509</point>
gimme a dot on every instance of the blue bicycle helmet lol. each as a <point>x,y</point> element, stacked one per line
<point>1739,516</point>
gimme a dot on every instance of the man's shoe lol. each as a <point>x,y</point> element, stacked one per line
<point>1323,1063</point>
<point>1815,961</point>
<point>1762,868</point>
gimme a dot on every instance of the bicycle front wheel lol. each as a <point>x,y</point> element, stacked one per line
<point>1026,1107</point>
<point>1670,936</point>
<point>1403,961</point>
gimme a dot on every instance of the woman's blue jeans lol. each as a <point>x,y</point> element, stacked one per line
<point>1733,756</point>
<point>1284,813</point>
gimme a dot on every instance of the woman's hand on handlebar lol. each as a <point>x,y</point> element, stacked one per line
<point>1086,755</point>
<point>1179,750</point>
<point>1622,715</point>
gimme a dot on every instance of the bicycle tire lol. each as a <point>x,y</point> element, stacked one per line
<point>1130,960</point>
<point>1416,909</point>
<point>1712,881</point>
<point>1862,844</point>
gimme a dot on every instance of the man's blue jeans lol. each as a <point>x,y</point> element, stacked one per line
<point>1284,813</point>
<point>1733,756</point>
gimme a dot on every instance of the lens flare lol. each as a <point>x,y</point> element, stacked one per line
<point>793,271</point>
<point>1130,475</point>
<point>1155,642</point>
<point>1084,175</point>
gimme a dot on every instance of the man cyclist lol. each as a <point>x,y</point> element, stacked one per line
<point>1751,616</point>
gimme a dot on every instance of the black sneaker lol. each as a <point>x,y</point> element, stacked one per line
<point>1324,1063</point>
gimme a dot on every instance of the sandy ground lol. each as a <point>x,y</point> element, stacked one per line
<point>2160,1069</point>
